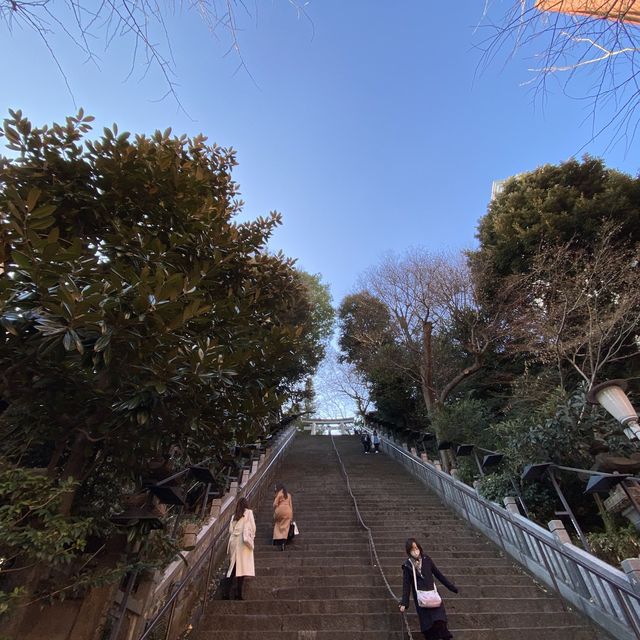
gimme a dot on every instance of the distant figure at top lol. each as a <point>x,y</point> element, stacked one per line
<point>376,441</point>
<point>282,515</point>
<point>365,438</point>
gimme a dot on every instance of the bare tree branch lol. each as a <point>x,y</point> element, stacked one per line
<point>432,300</point>
<point>571,37</point>
<point>144,24</point>
<point>580,307</point>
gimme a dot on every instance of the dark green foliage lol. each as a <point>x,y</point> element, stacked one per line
<point>33,529</point>
<point>367,342</point>
<point>553,205</point>
<point>540,500</point>
<point>365,327</point>
<point>322,312</point>
<point>397,398</point>
<point>465,421</point>
<point>564,430</point>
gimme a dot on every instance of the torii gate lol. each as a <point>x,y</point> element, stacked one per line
<point>313,423</point>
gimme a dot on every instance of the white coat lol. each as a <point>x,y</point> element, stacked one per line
<point>242,534</point>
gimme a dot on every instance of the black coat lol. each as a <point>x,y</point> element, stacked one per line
<point>425,583</point>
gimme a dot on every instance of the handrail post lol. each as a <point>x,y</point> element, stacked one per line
<point>568,510</point>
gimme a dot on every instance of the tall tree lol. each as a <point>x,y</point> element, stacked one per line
<point>548,229</point>
<point>135,314</point>
<point>322,312</point>
<point>553,204</point>
<point>432,302</point>
<point>417,333</point>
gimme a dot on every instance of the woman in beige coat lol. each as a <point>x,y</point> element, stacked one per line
<point>282,515</point>
<point>242,533</point>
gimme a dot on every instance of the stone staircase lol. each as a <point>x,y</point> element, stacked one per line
<point>324,587</point>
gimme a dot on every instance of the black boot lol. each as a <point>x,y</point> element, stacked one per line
<point>239,582</point>
<point>225,588</point>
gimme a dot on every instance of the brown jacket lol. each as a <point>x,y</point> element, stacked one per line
<point>282,515</point>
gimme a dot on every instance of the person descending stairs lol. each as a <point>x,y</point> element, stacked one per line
<point>324,586</point>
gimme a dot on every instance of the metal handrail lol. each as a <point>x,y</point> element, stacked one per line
<point>559,560</point>
<point>372,546</point>
<point>208,551</point>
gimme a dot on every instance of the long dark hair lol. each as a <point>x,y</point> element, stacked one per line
<point>281,487</point>
<point>409,544</point>
<point>241,507</point>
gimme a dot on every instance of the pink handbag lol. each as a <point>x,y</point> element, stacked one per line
<point>427,599</point>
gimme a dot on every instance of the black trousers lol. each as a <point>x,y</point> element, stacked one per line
<point>438,631</point>
<point>229,593</point>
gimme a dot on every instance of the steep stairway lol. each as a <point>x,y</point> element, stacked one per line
<point>324,586</point>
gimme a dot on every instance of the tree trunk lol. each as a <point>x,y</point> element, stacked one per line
<point>431,399</point>
<point>426,368</point>
<point>73,469</point>
<point>55,458</point>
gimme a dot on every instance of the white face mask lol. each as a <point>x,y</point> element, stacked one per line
<point>415,553</point>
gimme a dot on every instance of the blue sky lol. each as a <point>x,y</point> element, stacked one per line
<point>367,124</point>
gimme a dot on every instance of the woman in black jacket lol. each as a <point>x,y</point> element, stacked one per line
<point>433,622</point>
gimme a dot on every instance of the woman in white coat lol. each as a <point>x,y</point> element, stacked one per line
<point>242,533</point>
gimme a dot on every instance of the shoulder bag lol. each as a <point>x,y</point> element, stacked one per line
<point>427,599</point>
<point>248,534</point>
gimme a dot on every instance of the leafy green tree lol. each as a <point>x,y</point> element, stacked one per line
<point>425,329</point>
<point>466,420</point>
<point>563,430</point>
<point>367,342</point>
<point>553,205</point>
<point>555,257</point>
<point>365,327</point>
<point>322,313</point>
<point>136,316</point>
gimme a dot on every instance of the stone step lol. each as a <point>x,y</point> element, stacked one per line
<point>377,604</point>
<point>391,552</point>
<point>258,590</point>
<point>285,578</point>
<point>334,566</point>
<point>303,541</point>
<point>358,621</point>
<point>513,633</point>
